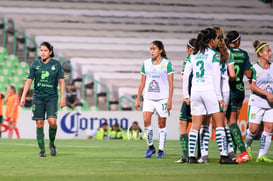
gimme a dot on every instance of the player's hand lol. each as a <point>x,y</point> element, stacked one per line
<point>169,104</point>
<point>62,102</point>
<point>222,104</point>
<point>269,97</point>
<point>187,101</point>
<point>137,105</point>
<point>22,102</point>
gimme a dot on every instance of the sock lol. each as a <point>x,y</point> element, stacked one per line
<point>149,133</point>
<point>265,143</point>
<point>17,132</point>
<point>236,133</point>
<point>52,135</point>
<point>40,138</point>
<point>221,140</point>
<point>229,144</point>
<point>162,138</point>
<point>204,140</point>
<point>184,144</point>
<point>10,133</point>
<point>249,138</point>
<point>193,137</point>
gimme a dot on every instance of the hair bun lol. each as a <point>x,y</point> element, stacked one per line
<point>256,43</point>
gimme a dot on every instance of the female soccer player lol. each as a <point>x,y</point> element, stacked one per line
<point>185,112</point>
<point>46,72</point>
<point>12,111</point>
<point>206,95</point>
<point>261,100</point>
<point>157,84</point>
<point>237,92</point>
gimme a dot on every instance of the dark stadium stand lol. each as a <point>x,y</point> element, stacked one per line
<point>123,29</point>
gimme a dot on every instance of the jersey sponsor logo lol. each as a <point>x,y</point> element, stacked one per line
<point>154,86</point>
<point>253,116</point>
<point>44,75</point>
<point>217,57</point>
<point>259,74</point>
<point>73,122</point>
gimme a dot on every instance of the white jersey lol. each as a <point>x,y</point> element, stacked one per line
<point>157,82</point>
<point>224,74</point>
<point>264,80</point>
<point>206,73</point>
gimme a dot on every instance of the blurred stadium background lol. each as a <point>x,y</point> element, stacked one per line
<point>102,43</point>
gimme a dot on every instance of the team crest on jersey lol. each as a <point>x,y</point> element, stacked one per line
<point>259,74</point>
<point>154,86</point>
<point>53,67</point>
<point>163,67</point>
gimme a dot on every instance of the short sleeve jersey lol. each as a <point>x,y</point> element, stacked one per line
<point>157,82</point>
<point>264,80</point>
<point>11,101</point>
<point>241,64</point>
<point>45,77</point>
<point>187,59</point>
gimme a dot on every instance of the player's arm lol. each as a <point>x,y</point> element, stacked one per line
<point>187,71</point>
<point>248,70</point>
<point>140,90</point>
<point>26,88</point>
<point>15,104</point>
<point>62,88</point>
<point>170,72</point>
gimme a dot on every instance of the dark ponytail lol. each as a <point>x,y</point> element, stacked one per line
<point>232,37</point>
<point>203,40</point>
<point>160,46</point>
<point>49,47</point>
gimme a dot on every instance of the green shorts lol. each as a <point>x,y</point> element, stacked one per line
<point>48,106</point>
<point>185,112</point>
<point>236,101</point>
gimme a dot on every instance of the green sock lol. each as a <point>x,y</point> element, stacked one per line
<point>52,135</point>
<point>40,138</point>
<point>184,144</point>
<point>236,134</point>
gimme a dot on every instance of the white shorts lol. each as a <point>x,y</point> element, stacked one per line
<point>160,106</point>
<point>226,96</point>
<point>204,102</point>
<point>257,115</point>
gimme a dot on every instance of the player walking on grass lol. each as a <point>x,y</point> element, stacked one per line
<point>12,110</point>
<point>206,95</point>
<point>185,112</point>
<point>261,100</point>
<point>46,72</point>
<point>157,84</point>
<point>237,92</point>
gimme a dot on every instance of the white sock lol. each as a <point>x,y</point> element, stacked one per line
<point>204,140</point>
<point>162,138</point>
<point>229,144</point>
<point>221,140</point>
<point>149,134</point>
<point>265,143</point>
<point>193,137</point>
<point>249,138</point>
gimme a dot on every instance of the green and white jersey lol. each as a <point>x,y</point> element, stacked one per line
<point>224,74</point>
<point>264,80</point>
<point>184,64</point>
<point>206,73</point>
<point>45,77</point>
<point>241,64</point>
<point>157,82</point>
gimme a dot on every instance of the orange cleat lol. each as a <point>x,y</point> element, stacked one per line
<point>244,157</point>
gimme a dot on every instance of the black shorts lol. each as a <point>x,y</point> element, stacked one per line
<point>48,106</point>
<point>185,112</point>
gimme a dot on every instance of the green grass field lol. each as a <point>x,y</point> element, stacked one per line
<point>117,160</point>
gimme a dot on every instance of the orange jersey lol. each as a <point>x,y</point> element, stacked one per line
<point>1,104</point>
<point>11,100</point>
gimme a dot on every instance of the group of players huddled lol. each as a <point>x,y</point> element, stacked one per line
<point>213,89</point>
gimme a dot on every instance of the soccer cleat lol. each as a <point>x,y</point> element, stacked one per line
<point>263,158</point>
<point>160,154</point>
<point>203,159</point>
<point>42,154</point>
<point>192,160</point>
<point>244,157</point>
<point>149,153</point>
<point>182,160</point>
<point>226,160</point>
<point>52,150</point>
<point>232,156</point>
<point>248,149</point>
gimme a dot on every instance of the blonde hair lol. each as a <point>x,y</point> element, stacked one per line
<point>221,44</point>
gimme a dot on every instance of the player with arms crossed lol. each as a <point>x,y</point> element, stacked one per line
<point>261,101</point>
<point>157,84</point>
<point>237,92</point>
<point>206,95</point>
<point>46,73</point>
